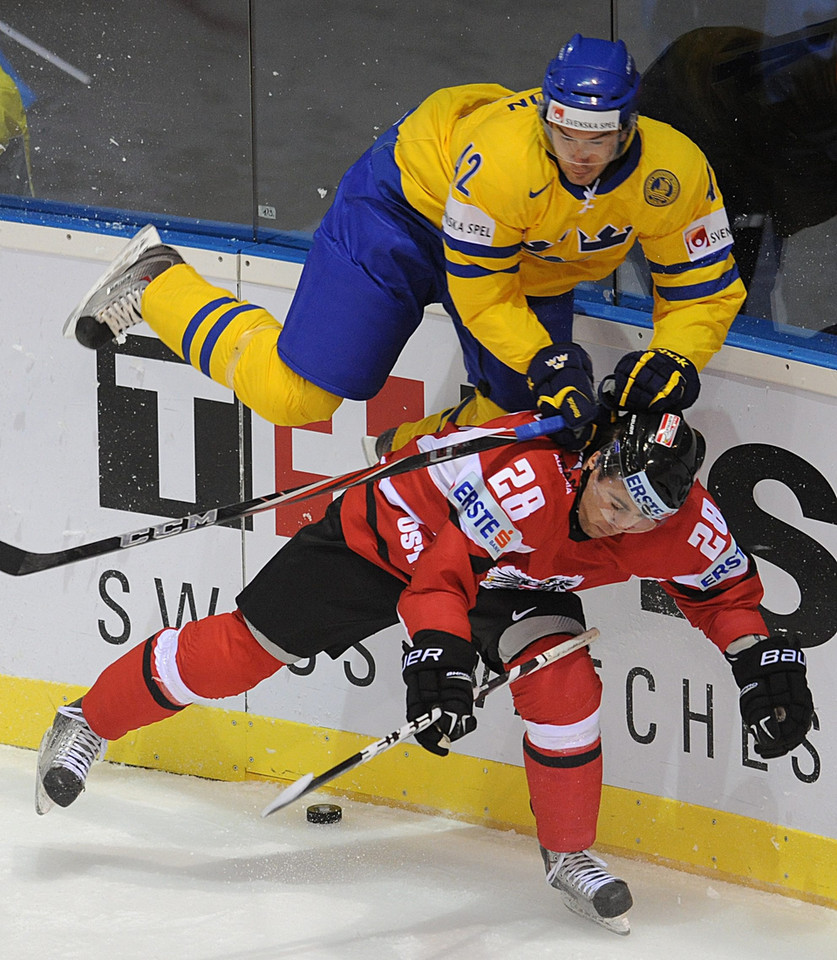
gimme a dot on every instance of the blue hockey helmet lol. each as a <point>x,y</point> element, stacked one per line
<point>591,85</point>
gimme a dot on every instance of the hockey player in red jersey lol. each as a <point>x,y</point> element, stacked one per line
<point>480,557</point>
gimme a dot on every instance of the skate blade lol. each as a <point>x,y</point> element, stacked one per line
<point>619,925</point>
<point>43,802</point>
<point>147,237</point>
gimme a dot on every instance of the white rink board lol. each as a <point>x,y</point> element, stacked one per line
<point>53,622</point>
<point>56,624</point>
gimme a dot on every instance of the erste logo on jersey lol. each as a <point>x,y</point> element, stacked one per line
<point>708,234</point>
<point>576,119</point>
<point>462,221</point>
<point>731,563</point>
<point>481,517</point>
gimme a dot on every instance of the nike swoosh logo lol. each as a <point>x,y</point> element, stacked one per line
<point>537,193</point>
<point>519,616</point>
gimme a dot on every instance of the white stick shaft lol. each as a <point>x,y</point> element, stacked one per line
<point>47,55</point>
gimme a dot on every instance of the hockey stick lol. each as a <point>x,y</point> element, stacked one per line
<point>17,562</point>
<point>309,782</point>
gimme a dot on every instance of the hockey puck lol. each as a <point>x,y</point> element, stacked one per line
<point>324,813</point>
<point>90,333</point>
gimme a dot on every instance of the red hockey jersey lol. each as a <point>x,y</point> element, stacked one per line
<point>504,518</point>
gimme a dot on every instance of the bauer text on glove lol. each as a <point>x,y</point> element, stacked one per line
<point>438,671</point>
<point>775,702</point>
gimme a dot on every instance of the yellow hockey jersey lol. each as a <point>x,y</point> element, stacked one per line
<point>476,161</point>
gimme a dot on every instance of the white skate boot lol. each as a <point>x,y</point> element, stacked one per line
<point>66,754</point>
<point>376,447</point>
<point>113,304</point>
<point>588,889</point>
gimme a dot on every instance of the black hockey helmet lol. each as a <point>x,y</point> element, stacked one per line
<point>657,456</point>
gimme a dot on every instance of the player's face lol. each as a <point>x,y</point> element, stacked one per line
<point>606,509</point>
<point>583,154</point>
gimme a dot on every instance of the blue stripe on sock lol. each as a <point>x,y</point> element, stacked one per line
<point>218,328</point>
<point>197,320</point>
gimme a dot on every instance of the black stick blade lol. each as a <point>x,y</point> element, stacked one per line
<point>12,560</point>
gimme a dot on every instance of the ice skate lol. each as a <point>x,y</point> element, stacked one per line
<point>66,754</point>
<point>113,304</point>
<point>588,889</point>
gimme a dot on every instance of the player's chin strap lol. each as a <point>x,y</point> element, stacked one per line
<point>309,782</point>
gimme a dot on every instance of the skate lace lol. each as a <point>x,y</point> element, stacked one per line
<point>124,311</point>
<point>580,870</point>
<point>81,746</point>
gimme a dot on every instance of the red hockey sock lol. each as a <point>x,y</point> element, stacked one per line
<point>563,692</point>
<point>126,696</point>
<point>219,657</point>
<point>559,704</point>
<point>565,790</point>
<point>211,658</point>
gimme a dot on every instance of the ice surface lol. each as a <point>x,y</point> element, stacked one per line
<point>149,866</point>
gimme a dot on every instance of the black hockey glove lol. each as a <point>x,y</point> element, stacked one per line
<point>438,672</point>
<point>657,380</point>
<point>561,378</point>
<point>775,701</point>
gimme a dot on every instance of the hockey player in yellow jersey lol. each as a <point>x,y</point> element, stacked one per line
<point>496,204</point>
